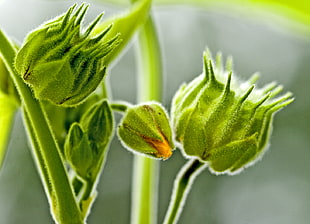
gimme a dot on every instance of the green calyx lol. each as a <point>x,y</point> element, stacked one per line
<point>145,129</point>
<point>60,63</point>
<point>87,141</point>
<point>225,123</point>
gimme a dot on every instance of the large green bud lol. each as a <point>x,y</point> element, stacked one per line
<point>223,121</point>
<point>61,63</point>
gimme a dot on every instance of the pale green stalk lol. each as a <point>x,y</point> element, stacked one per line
<point>60,192</point>
<point>182,185</point>
<point>145,172</point>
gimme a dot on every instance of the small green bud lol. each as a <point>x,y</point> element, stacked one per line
<point>60,63</point>
<point>145,129</point>
<point>78,151</point>
<point>225,123</point>
<point>98,123</point>
<point>87,141</point>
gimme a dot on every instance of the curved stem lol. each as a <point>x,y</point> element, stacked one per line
<point>145,172</point>
<point>182,185</point>
<point>60,193</point>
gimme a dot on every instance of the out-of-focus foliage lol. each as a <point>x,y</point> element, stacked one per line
<point>125,24</point>
<point>292,14</point>
<point>7,110</point>
<point>8,106</point>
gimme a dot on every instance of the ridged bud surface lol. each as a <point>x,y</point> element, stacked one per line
<point>223,121</point>
<point>61,63</point>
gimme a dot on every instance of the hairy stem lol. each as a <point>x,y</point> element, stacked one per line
<point>145,172</point>
<point>60,193</point>
<point>37,154</point>
<point>181,188</point>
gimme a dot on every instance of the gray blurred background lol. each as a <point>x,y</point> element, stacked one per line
<point>274,191</point>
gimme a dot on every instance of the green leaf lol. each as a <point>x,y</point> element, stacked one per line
<point>7,110</point>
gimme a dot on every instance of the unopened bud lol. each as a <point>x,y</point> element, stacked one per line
<point>226,123</point>
<point>78,151</point>
<point>87,142</point>
<point>60,63</point>
<point>145,129</point>
<point>98,123</point>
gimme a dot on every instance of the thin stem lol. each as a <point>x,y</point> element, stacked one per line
<point>120,106</point>
<point>88,196</point>
<point>150,79</point>
<point>182,185</point>
<point>89,188</point>
<point>61,197</point>
<point>145,172</point>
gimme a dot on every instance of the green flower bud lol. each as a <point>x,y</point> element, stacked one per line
<point>60,63</point>
<point>98,123</point>
<point>78,151</point>
<point>145,129</point>
<point>87,142</point>
<point>226,123</point>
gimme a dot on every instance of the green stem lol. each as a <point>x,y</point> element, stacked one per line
<point>88,196</point>
<point>182,185</point>
<point>89,188</point>
<point>145,172</point>
<point>38,155</point>
<point>120,106</point>
<point>61,197</point>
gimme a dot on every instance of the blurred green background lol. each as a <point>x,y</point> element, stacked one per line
<point>274,191</point>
